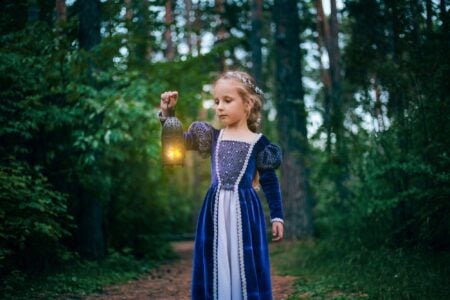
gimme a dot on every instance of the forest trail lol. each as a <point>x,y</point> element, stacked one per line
<point>172,281</point>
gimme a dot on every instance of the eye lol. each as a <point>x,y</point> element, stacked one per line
<point>216,101</point>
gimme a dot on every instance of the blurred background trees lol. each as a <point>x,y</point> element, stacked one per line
<point>356,94</point>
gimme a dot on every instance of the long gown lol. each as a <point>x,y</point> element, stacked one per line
<point>231,257</point>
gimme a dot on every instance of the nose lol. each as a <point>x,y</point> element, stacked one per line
<point>219,106</point>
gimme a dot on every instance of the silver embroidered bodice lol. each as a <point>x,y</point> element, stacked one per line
<point>231,159</point>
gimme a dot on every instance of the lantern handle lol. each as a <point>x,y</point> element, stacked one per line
<point>170,111</point>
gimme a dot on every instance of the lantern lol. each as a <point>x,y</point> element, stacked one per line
<point>173,147</point>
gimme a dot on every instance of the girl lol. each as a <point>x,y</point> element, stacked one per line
<point>231,259</point>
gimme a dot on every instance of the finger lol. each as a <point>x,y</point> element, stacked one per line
<point>276,239</point>
<point>164,97</point>
<point>278,232</point>
<point>281,232</point>
<point>274,233</point>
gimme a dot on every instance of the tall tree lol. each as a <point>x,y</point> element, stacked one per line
<point>61,10</point>
<point>337,118</point>
<point>323,39</point>
<point>90,218</point>
<point>255,40</point>
<point>292,120</point>
<point>328,36</point>
<point>444,16</point>
<point>198,28</point>
<point>89,28</point>
<point>221,30</point>
<point>429,10</point>
<point>188,17</point>
<point>170,47</point>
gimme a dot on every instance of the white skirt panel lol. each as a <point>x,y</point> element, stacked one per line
<point>229,278</point>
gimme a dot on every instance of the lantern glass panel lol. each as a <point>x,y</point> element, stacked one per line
<point>173,148</point>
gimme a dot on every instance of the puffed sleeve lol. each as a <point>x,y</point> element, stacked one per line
<point>267,161</point>
<point>198,137</point>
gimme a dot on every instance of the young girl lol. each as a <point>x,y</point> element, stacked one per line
<point>231,259</point>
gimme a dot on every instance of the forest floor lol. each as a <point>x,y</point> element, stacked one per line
<point>173,281</point>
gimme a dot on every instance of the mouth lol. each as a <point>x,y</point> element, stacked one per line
<point>222,116</point>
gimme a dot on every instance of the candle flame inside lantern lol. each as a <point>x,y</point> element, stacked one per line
<point>174,153</point>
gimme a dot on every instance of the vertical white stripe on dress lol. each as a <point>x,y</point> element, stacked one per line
<point>228,256</point>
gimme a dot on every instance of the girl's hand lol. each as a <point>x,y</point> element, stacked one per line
<point>168,102</point>
<point>277,231</point>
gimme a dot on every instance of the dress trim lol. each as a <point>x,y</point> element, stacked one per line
<point>216,229</point>
<point>277,220</point>
<point>238,214</point>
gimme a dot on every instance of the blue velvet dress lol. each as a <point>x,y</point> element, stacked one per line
<point>233,167</point>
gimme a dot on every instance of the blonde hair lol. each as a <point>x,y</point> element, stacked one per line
<point>252,94</point>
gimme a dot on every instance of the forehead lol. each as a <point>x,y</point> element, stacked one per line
<point>226,86</point>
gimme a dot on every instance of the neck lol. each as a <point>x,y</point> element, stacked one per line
<point>241,132</point>
<point>238,127</point>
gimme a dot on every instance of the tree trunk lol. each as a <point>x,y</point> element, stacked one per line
<point>128,11</point>
<point>90,221</point>
<point>292,120</point>
<point>198,28</point>
<point>398,106</point>
<point>188,14</point>
<point>444,17</point>
<point>221,31</point>
<point>415,20</point>
<point>331,78</point>
<point>323,38</point>
<point>334,46</point>
<point>255,41</point>
<point>91,239</point>
<point>429,9</point>
<point>89,19</point>
<point>61,11</point>
<point>170,49</point>
<point>337,117</point>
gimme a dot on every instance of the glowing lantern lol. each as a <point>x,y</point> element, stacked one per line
<point>173,148</point>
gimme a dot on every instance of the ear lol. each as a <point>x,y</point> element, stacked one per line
<point>249,104</point>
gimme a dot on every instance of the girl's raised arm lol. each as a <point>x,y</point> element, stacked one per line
<point>168,101</point>
<point>199,135</point>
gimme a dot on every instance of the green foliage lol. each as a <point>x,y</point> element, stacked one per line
<point>75,128</point>
<point>80,126</point>
<point>399,166</point>
<point>327,271</point>
<point>33,219</point>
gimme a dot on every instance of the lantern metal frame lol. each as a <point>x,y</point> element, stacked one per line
<point>172,141</point>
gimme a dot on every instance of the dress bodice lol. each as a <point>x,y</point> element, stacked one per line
<point>231,159</point>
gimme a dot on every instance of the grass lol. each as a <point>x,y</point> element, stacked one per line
<point>79,278</point>
<point>326,272</point>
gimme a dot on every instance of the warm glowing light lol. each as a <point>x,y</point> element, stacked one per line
<point>174,153</point>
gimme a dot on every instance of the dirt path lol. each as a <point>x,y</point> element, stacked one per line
<point>173,281</point>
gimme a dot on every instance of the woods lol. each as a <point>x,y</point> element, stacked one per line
<point>356,95</point>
